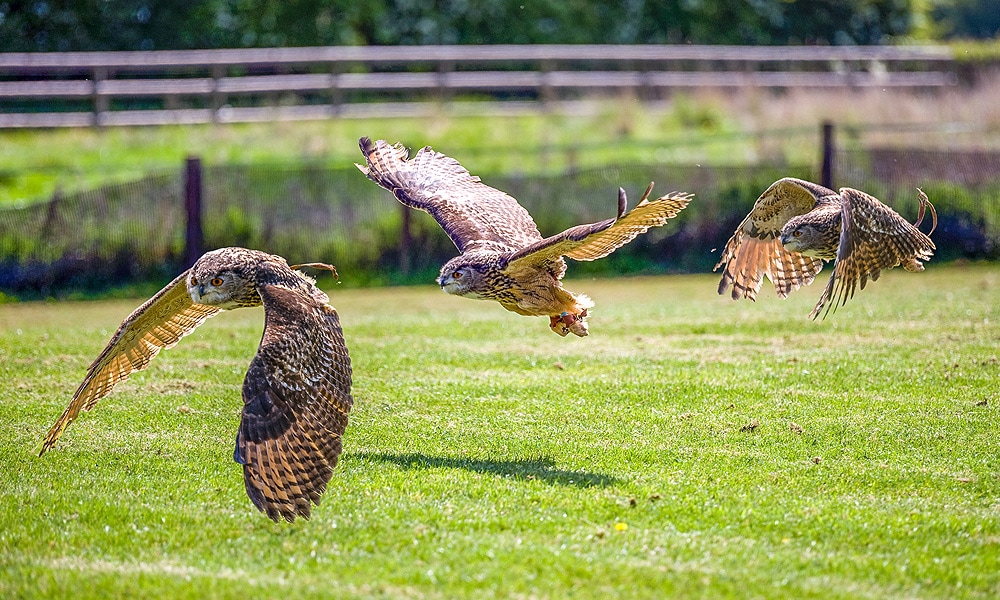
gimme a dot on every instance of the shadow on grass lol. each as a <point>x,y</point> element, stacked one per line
<point>528,469</point>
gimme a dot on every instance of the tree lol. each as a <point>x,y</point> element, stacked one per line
<point>62,25</point>
<point>968,18</point>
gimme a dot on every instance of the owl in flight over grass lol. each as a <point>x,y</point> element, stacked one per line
<point>297,390</point>
<point>503,256</point>
<point>796,225</point>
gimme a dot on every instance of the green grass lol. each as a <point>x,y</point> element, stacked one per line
<point>488,457</point>
<point>33,164</point>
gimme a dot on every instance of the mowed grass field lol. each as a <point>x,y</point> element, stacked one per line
<point>691,446</point>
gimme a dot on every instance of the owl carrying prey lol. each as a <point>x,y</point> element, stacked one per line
<point>297,389</point>
<point>796,225</point>
<point>503,256</point>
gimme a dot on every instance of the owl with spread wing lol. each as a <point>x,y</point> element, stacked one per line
<point>503,256</point>
<point>796,225</point>
<point>297,389</point>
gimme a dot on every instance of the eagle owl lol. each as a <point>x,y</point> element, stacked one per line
<point>503,257</point>
<point>796,225</point>
<point>297,389</point>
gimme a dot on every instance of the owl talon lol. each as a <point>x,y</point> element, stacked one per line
<point>557,324</point>
<point>566,323</point>
<point>913,265</point>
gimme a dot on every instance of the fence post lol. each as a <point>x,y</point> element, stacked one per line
<point>826,175</point>
<point>194,239</point>
<point>444,93</point>
<point>336,93</point>
<point>217,98</point>
<point>100,102</point>
<point>546,92</point>
<point>405,242</point>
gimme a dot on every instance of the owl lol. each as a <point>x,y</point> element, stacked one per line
<point>503,257</point>
<point>796,225</point>
<point>297,389</point>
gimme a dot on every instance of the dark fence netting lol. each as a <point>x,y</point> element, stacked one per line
<point>128,232</point>
<point>90,240</point>
<point>964,186</point>
<point>136,231</point>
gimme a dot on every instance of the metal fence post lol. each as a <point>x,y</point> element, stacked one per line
<point>194,239</point>
<point>826,175</point>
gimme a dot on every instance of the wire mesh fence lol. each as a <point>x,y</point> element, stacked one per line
<point>92,239</point>
<point>964,186</point>
<point>134,231</point>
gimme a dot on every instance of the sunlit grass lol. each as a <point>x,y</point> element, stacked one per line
<point>689,446</point>
<point>743,126</point>
<point>33,164</point>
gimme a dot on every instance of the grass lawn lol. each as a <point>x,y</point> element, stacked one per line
<point>748,126</point>
<point>34,163</point>
<point>691,446</point>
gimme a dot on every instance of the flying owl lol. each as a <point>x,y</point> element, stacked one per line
<point>297,390</point>
<point>503,256</point>
<point>796,225</point>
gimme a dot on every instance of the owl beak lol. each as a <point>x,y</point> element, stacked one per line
<point>197,293</point>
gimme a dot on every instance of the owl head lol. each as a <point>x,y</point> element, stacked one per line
<point>812,237</point>
<point>224,278</point>
<point>462,276</point>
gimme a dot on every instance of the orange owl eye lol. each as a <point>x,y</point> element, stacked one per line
<point>797,233</point>
<point>217,281</point>
<point>457,274</point>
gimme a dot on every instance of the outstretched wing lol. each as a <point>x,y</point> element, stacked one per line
<point>474,215</point>
<point>159,323</point>
<point>597,240</point>
<point>872,237</point>
<point>755,248</point>
<point>297,394</point>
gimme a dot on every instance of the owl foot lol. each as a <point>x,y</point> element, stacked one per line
<point>567,322</point>
<point>913,265</point>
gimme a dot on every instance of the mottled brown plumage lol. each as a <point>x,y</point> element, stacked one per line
<point>503,255</point>
<point>795,225</point>
<point>297,390</point>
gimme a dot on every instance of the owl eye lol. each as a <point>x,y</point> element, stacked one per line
<point>457,274</point>
<point>217,281</point>
<point>796,233</point>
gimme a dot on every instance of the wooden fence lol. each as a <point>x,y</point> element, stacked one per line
<point>80,89</point>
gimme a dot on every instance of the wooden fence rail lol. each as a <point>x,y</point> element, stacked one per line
<point>189,86</point>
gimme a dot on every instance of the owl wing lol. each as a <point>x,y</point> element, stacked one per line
<point>296,394</point>
<point>872,237</point>
<point>755,248</point>
<point>597,240</point>
<point>159,323</point>
<point>474,215</point>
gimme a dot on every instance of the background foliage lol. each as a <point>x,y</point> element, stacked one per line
<point>67,25</point>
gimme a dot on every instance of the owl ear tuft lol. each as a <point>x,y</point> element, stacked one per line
<point>320,266</point>
<point>622,202</point>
